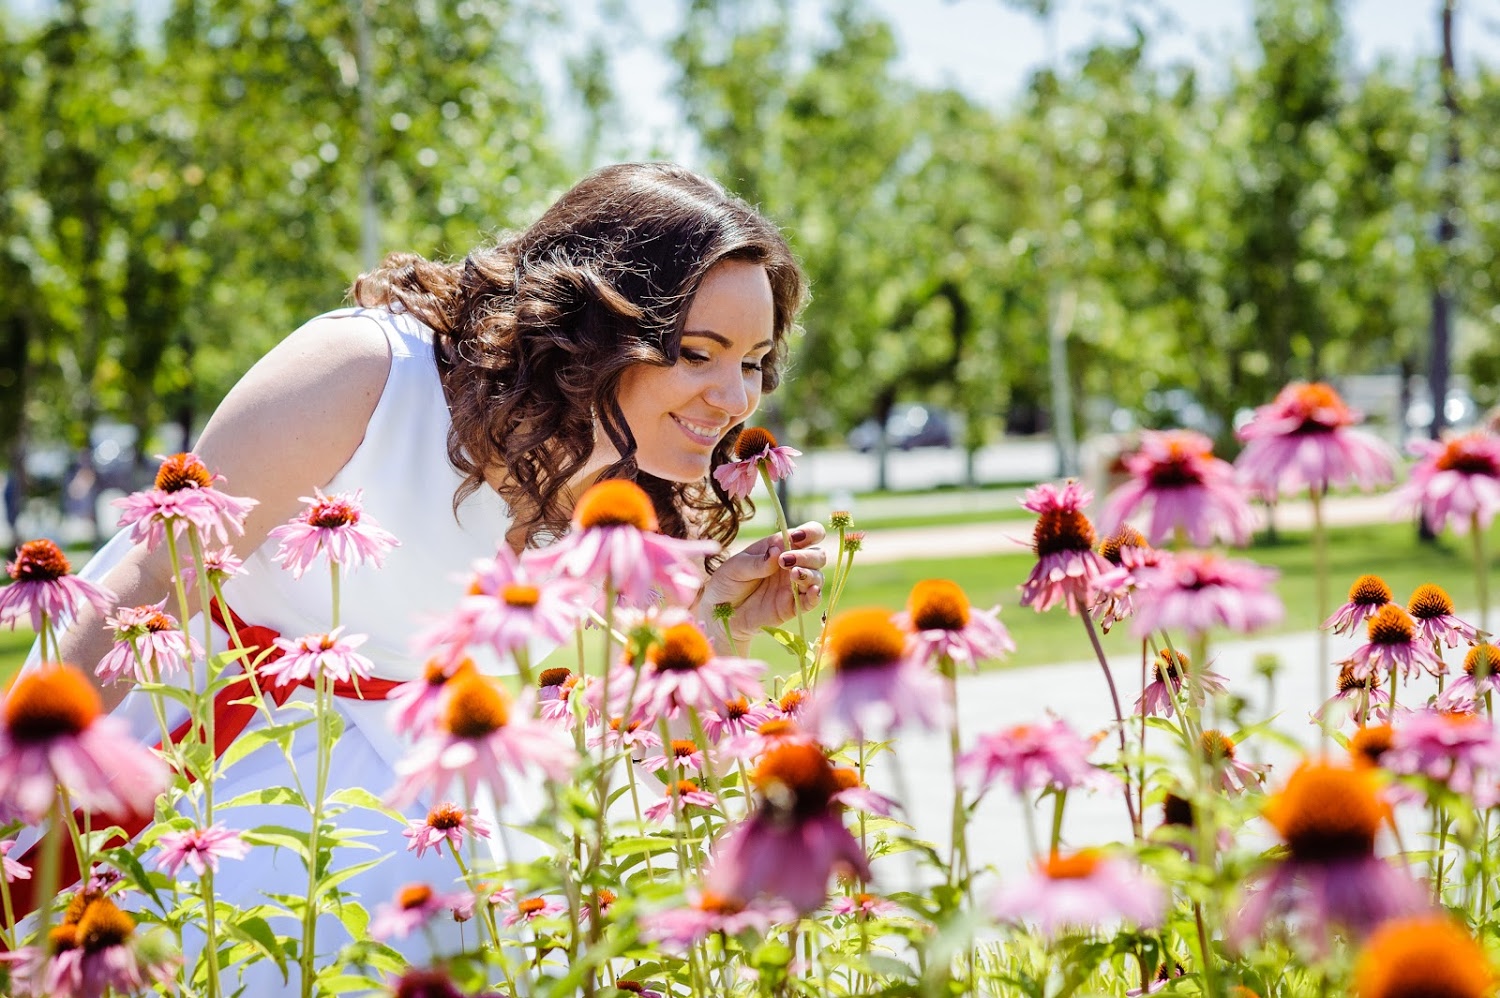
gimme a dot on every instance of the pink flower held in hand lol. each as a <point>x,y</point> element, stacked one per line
<point>616,542</point>
<point>1048,755</point>
<point>200,849</point>
<point>1393,645</point>
<point>1063,541</point>
<point>45,587</point>
<point>1304,441</point>
<point>1432,609</point>
<point>1176,475</point>
<point>413,907</point>
<point>1368,594</point>
<point>445,823</point>
<point>876,686</point>
<point>331,528</point>
<point>942,624</point>
<point>148,645</point>
<point>1083,890</point>
<point>754,448</point>
<point>330,655</point>
<point>681,672</point>
<point>1455,482</point>
<point>183,495</point>
<point>1195,592</point>
<point>54,732</point>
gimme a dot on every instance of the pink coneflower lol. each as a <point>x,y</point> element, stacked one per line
<point>481,740</point>
<point>733,719</point>
<point>1188,490</point>
<point>1231,773</point>
<point>413,907</point>
<point>148,645</point>
<point>44,588</point>
<point>183,495</point>
<point>469,901</point>
<point>1304,440</point>
<point>13,869</point>
<point>200,849</point>
<point>1459,751</point>
<point>795,839</point>
<point>616,543</point>
<point>1048,755</point>
<point>530,909</point>
<point>605,899</point>
<point>943,625</point>
<point>447,822</point>
<point>425,982</point>
<point>221,564</point>
<point>637,988</point>
<point>681,794</point>
<point>635,737</point>
<point>789,705</point>
<point>1330,878</point>
<point>417,705</point>
<point>1159,699</point>
<point>765,735</point>
<point>330,655</point>
<point>1063,541</point>
<point>1427,955</point>
<point>681,755</point>
<point>1085,889</point>
<point>876,686</point>
<point>1355,694</point>
<point>507,608</point>
<point>331,529</point>
<point>854,793</point>
<point>1479,679</point>
<point>555,689</point>
<point>756,448</point>
<point>1431,608</point>
<point>54,732</point>
<point>678,930</point>
<point>1368,594</point>
<point>1456,482</point>
<point>681,672</point>
<point>98,954</point>
<point>1114,589</point>
<point>1393,644</point>
<point>1195,592</point>
<point>864,906</point>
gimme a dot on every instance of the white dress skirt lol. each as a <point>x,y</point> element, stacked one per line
<point>408,485</point>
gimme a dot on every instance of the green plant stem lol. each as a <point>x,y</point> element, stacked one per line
<point>1320,589</point>
<point>1114,695</point>
<point>1059,801</point>
<point>958,853</point>
<point>1481,572</point>
<point>320,783</point>
<point>786,546</point>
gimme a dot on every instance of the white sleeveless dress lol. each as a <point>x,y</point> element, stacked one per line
<point>408,483</point>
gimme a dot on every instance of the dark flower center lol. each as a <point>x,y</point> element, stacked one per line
<point>50,702</point>
<point>938,605</point>
<point>1062,530</point>
<point>445,817</point>
<point>103,925</point>
<point>413,896</point>
<point>1327,813</point>
<point>1178,469</point>
<point>1126,537</point>
<point>616,503</point>
<point>1459,456</point>
<point>796,779</point>
<point>476,707</point>
<point>39,561</point>
<point>682,648</point>
<point>865,639</point>
<point>183,471</point>
<point>1391,626</point>
<point>332,514</point>
<point>553,677</point>
<point>753,440</point>
<point>1482,660</point>
<point>1429,602</point>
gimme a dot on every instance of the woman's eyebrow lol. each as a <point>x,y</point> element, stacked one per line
<point>722,340</point>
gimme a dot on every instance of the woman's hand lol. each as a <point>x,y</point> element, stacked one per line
<point>758,582</point>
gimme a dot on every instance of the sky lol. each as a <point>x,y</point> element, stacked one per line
<point>990,51</point>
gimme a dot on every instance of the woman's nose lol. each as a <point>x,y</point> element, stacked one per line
<point>728,393</point>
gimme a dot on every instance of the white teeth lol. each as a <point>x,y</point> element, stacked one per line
<point>699,428</point>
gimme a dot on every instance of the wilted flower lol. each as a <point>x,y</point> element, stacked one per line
<point>755,449</point>
<point>1187,489</point>
<point>447,822</point>
<point>148,645</point>
<point>331,529</point>
<point>45,587</point>
<point>1195,592</point>
<point>1063,541</point>
<point>1085,889</point>
<point>1048,755</point>
<point>1305,441</point>
<point>1423,956</point>
<point>1455,482</point>
<point>183,495</point>
<point>199,848</point>
<point>1368,594</point>
<point>1159,699</point>
<point>876,686</point>
<point>944,625</point>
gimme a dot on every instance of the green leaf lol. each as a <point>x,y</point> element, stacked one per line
<point>266,795</point>
<point>361,798</point>
<point>280,837</point>
<point>280,734</point>
<point>258,933</point>
<point>127,862</point>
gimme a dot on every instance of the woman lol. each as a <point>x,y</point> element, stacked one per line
<point>629,333</point>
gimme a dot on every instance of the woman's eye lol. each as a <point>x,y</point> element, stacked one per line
<point>694,356</point>
<point>753,365</point>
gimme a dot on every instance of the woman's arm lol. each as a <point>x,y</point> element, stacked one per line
<point>288,426</point>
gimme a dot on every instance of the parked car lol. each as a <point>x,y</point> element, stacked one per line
<point>1460,411</point>
<point>910,424</point>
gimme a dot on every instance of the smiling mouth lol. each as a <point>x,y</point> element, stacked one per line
<point>704,434</point>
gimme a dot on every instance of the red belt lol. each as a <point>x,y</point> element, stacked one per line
<point>234,706</point>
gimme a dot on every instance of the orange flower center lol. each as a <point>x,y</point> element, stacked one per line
<point>776,727</point>
<point>50,702</point>
<point>476,707</point>
<point>753,440</point>
<point>1426,956</point>
<point>736,708</point>
<point>1316,397</point>
<point>1061,530</point>
<point>1482,660</point>
<point>865,639</point>
<point>1459,456</point>
<point>103,925</point>
<point>1075,866</point>
<point>1327,812</point>
<point>846,778</point>
<point>1178,467</point>
<point>683,747</point>
<point>445,817</point>
<point>532,906</point>
<point>63,938</point>
<point>1390,625</point>
<point>606,897</point>
<point>160,622</point>
<point>39,561</point>
<point>682,648</point>
<point>938,605</point>
<point>791,700</point>
<point>1348,681</point>
<point>1126,537</point>
<point>413,896</point>
<point>796,778</point>
<point>1170,663</point>
<point>521,596</point>
<point>1430,601</point>
<point>332,514</point>
<point>684,787</point>
<point>1217,746</point>
<point>1370,743</point>
<point>183,471</point>
<point>78,904</point>
<point>1369,590</point>
<point>553,677</point>
<point>615,503</point>
<point>719,904</point>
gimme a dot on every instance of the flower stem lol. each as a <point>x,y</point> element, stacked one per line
<point>958,854</point>
<point>1320,575</point>
<point>1114,695</point>
<point>1481,572</point>
<point>786,545</point>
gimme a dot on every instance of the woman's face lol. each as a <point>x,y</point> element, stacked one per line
<point>678,414</point>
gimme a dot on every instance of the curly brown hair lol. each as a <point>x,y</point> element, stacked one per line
<point>533,333</point>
